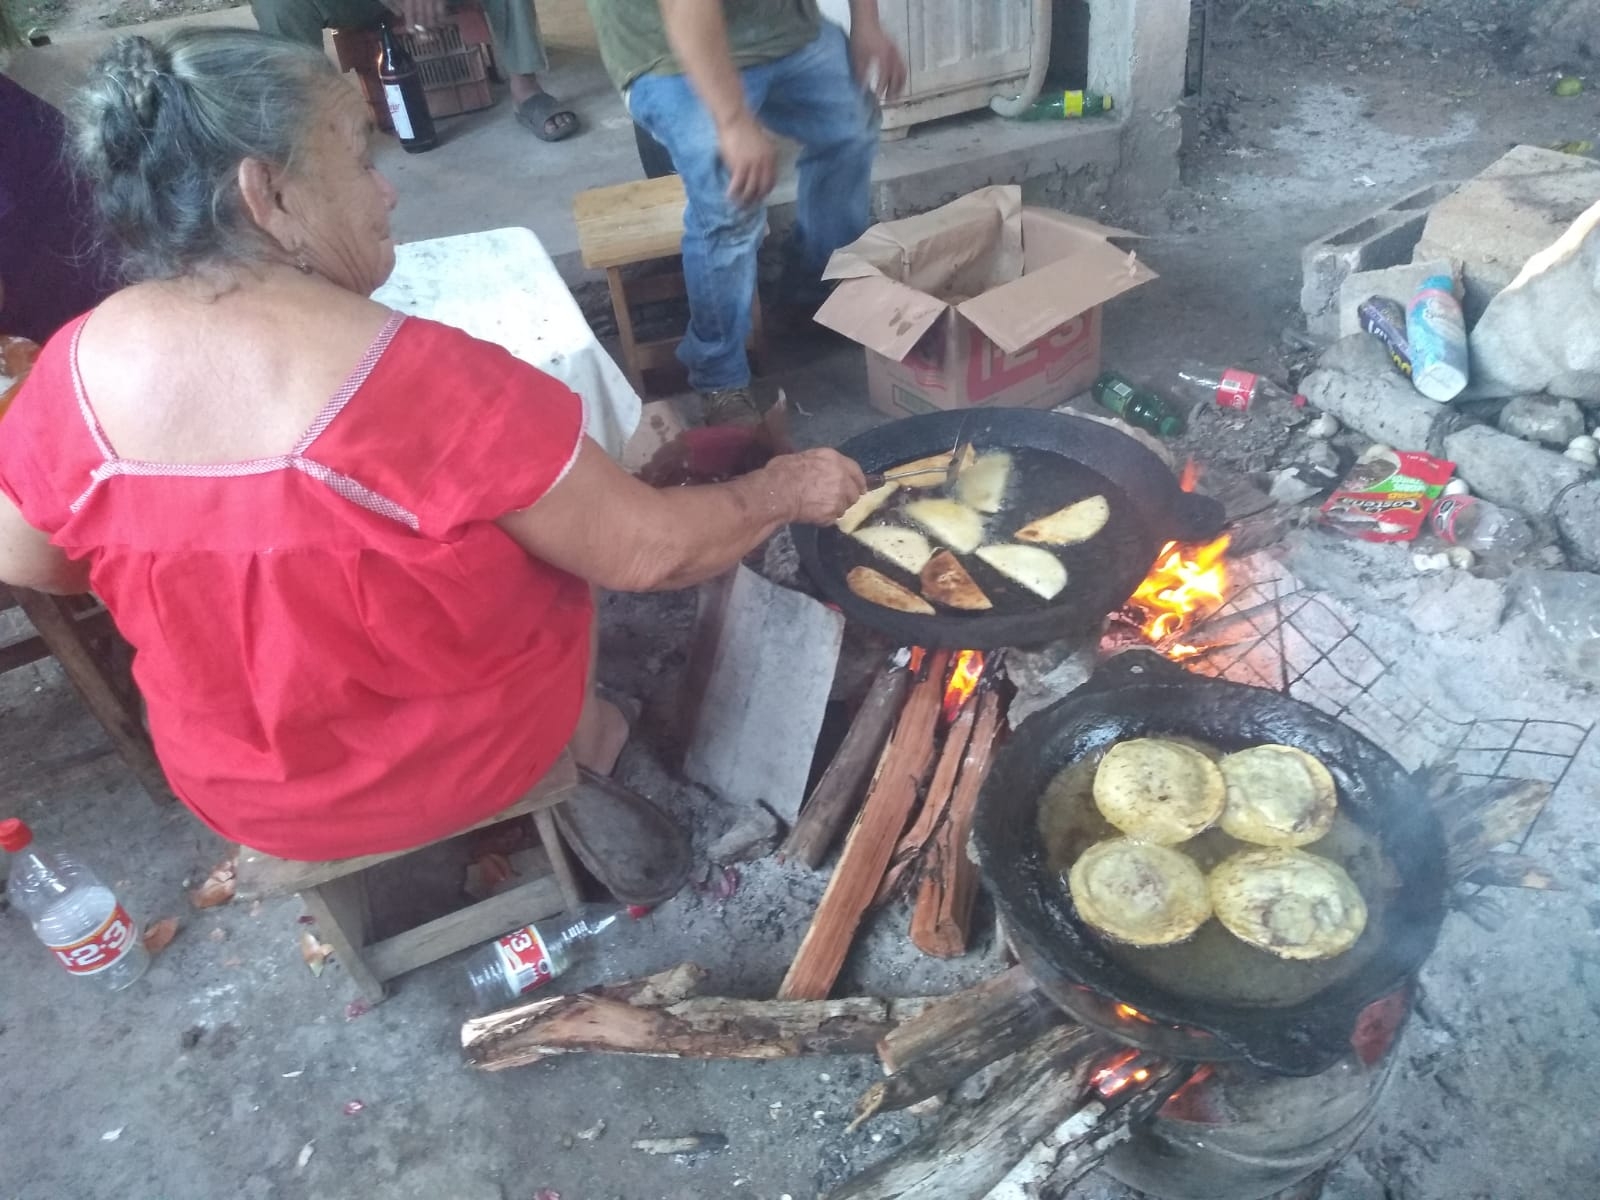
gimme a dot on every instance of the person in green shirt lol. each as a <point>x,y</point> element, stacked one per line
<point>712,81</point>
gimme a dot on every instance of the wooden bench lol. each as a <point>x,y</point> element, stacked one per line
<point>77,632</point>
<point>336,895</point>
<point>630,224</point>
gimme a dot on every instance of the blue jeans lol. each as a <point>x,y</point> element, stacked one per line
<point>811,96</point>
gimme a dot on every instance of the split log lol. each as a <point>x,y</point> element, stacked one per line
<point>696,1027</point>
<point>943,915</point>
<point>934,805</point>
<point>1513,870</point>
<point>838,793</point>
<point>1075,1147</point>
<point>871,841</point>
<point>974,1149</point>
<point>1479,817</point>
<point>956,1038</point>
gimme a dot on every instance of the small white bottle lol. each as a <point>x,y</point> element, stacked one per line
<point>75,915</point>
<point>528,958</point>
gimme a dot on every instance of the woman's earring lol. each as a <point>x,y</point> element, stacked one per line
<point>301,265</point>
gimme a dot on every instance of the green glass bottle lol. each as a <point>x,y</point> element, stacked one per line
<point>1139,407</point>
<point>1057,106</point>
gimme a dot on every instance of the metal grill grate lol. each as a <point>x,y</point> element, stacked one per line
<point>1310,645</point>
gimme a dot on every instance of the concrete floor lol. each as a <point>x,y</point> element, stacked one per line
<point>230,1059</point>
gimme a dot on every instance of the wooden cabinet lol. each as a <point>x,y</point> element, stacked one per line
<point>959,54</point>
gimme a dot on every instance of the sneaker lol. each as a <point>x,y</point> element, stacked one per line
<point>729,406</point>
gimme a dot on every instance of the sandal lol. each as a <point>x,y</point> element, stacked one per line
<point>542,114</point>
<point>625,841</point>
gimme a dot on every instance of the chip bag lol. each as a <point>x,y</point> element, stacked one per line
<point>1387,495</point>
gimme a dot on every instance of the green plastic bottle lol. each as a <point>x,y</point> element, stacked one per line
<point>1139,407</point>
<point>1059,106</point>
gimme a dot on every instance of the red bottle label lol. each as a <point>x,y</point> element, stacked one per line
<point>1237,389</point>
<point>90,955</point>
<point>1446,511</point>
<point>525,959</point>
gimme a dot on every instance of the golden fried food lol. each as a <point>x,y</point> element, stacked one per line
<point>1070,525</point>
<point>946,581</point>
<point>879,589</point>
<point>950,522</point>
<point>1139,893</point>
<point>1034,568</point>
<point>859,513</point>
<point>929,472</point>
<point>1288,903</point>
<point>983,484</point>
<point>905,548</point>
<point>1159,791</point>
<point>1277,796</point>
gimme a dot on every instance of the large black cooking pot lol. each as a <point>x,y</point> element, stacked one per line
<point>1148,508</point>
<point>1141,694</point>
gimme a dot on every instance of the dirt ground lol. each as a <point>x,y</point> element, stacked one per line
<point>226,1072</point>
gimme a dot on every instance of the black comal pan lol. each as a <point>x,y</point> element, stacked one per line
<point>1060,459</point>
<point>1289,1017</point>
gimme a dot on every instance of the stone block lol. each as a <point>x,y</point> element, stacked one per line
<point>1578,518</point>
<point>1458,604</point>
<point>1385,238</point>
<point>1508,470</point>
<point>1356,382</point>
<point>1397,283</point>
<point>1542,419</point>
<point>1502,217</point>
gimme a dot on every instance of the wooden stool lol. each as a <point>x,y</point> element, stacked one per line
<point>77,631</point>
<point>642,222</point>
<point>335,893</point>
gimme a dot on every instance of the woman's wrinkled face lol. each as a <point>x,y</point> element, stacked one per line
<point>338,198</point>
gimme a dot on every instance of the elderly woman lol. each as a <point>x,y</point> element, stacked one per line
<point>355,552</point>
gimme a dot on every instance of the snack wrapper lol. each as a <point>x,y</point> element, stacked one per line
<point>1387,496</point>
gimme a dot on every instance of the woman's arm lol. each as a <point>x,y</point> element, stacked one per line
<point>603,525</point>
<point>27,559</point>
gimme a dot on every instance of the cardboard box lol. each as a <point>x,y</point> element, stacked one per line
<point>982,302</point>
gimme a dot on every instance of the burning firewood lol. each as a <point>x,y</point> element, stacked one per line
<point>871,841</point>
<point>941,921</point>
<point>976,1147</point>
<point>934,805</point>
<point>1075,1147</point>
<point>955,1038</point>
<point>838,793</point>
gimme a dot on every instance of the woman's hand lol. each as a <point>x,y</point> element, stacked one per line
<point>815,486</point>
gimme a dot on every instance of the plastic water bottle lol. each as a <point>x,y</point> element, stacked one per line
<point>1138,406</point>
<point>1234,387</point>
<point>1437,333</point>
<point>75,915</point>
<point>1481,527</point>
<point>529,958</point>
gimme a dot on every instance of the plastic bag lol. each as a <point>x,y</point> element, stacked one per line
<point>1565,606</point>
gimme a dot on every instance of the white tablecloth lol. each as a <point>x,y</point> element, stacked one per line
<point>501,286</point>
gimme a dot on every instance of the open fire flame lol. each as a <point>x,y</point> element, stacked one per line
<point>965,676</point>
<point>1186,582</point>
<point>1119,1074</point>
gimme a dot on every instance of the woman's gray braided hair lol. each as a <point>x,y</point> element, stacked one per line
<point>162,125</point>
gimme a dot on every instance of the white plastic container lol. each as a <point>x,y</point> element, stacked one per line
<point>75,915</point>
<point>1437,331</point>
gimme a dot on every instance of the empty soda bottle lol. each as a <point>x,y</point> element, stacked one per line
<point>75,915</point>
<point>530,957</point>
<point>1138,406</point>
<point>1057,106</point>
<point>1233,387</point>
<point>1481,527</point>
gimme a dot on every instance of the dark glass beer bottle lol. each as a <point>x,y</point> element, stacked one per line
<point>402,92</point>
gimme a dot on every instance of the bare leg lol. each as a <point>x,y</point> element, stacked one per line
<point>602,730</point>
